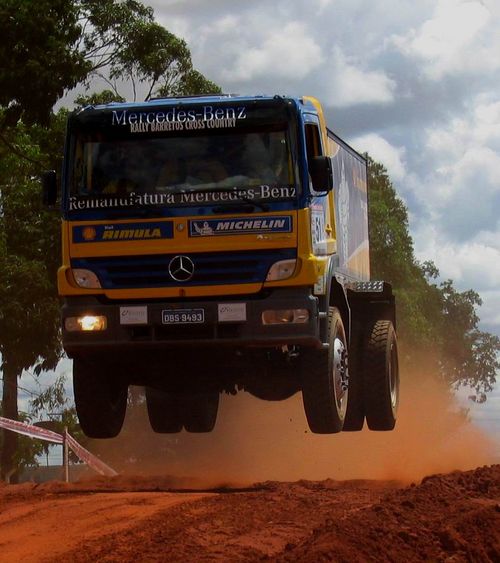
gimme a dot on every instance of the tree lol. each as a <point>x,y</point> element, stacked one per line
<point>438,325</point>
<point>48,47</point>
<point>39,57</point>
<point>29,253</point>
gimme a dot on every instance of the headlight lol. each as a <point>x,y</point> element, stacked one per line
<point>86,278</point>
<point>281,270</point>
<point>86,323</point>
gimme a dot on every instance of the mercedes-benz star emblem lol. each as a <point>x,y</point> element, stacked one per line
<point>181,268</point>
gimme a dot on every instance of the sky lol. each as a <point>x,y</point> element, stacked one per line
<point>416,84</point>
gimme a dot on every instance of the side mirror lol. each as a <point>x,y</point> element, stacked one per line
<point>49,187</point>
<point>320,170</point>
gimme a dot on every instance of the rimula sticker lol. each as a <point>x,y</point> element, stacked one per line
<point>123,231</point>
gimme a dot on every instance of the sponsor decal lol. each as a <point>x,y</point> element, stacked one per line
<point>232,312</point>
<point>257,193</point>
<point>123,231</point>
<point>240,226</point>
<point>178,119</point>
<point>134,315</point>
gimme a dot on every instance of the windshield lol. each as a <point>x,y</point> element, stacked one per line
<point>177,170</point>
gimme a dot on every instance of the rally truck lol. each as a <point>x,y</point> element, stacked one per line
<point>216,244</point>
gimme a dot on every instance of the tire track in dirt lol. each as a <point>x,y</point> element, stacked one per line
<point>46,528</point>
<point>235,526</point>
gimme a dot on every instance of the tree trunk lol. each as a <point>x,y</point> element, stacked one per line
<point>8,469</point>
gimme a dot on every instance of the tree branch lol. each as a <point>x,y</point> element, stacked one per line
<point>17,151</point>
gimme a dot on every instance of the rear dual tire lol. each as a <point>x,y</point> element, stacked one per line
<point>381,377</point>
<point>372,380</point>
<point>170,412</point>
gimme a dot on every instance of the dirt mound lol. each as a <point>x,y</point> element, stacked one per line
<point>454,517</point>
<point>446,517</point>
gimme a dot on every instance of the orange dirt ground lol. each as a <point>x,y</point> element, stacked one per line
<point>451,517</point>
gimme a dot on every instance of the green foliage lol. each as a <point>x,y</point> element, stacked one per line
<point>29,256</point>
<point>50,46</point>
<point>52,404</point>
<point>39,57</point>
<point>189,83</point>
<point>104,97</point>
<point>28,450</point>
<point>437,324</point>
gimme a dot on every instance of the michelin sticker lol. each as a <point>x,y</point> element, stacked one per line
<point>239,226</point>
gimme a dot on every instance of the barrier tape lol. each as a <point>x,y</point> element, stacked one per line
<point>30,430</point>
<point>90,458</point>
<point>49,436</point>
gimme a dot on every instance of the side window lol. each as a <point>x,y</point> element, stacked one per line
<point>313,142</point>
<point>313,147</point>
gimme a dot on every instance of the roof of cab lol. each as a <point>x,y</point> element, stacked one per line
<point>188,100</point>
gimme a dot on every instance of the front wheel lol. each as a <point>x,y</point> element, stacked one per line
<point>381,377</point>
<point>325,378</point>
<point>100,398</point>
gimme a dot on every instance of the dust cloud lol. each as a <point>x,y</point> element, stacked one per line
<point>258,441</point>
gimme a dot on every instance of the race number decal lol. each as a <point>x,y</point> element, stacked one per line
<point>318,231</point>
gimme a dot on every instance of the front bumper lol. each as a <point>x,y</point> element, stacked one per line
<point>153,334</point>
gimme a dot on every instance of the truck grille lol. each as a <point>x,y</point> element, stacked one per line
<point>121,272</point>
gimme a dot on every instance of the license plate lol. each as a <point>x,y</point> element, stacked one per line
<point>182,316</point>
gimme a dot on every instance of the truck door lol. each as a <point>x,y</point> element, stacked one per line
<point>321,223</point>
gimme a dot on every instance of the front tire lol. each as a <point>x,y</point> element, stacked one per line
<point>325,380</point>
<point>381,377</point>
<point>100,398</point>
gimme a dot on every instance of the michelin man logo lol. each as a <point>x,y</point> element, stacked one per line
<point>204,230</point>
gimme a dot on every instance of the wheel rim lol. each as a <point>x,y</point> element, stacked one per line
<point>340,374</point>
<point>394,377</point>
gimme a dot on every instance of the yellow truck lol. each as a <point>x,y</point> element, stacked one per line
<point>215,244</point>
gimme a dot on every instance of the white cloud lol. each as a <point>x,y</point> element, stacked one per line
<point>463,262</point>
<point>490,311</point>
<point>451,40</point>
<point>460,191</point>
<point>393,158</point>
<point>351,84</point>
<point>414,83</point>
<point>287,52</point>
